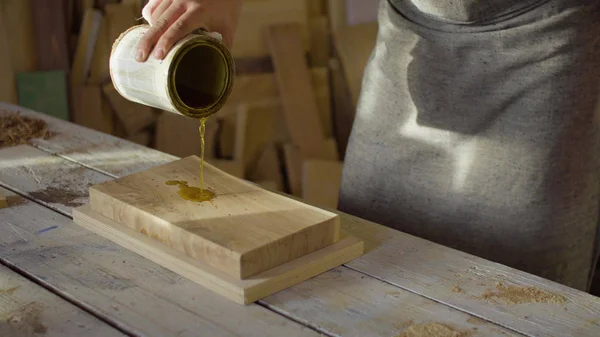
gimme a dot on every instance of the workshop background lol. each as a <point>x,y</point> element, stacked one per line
<point>57,56</point>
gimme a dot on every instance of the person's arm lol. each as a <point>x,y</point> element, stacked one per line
<point>171,20</point>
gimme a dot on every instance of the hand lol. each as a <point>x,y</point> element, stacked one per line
<point>171,20</point>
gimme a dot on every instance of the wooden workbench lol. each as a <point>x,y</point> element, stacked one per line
<point>58,279</point>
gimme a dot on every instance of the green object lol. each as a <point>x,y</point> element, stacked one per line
<point>45,92</point>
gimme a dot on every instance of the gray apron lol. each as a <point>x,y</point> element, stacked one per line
<point>477,128</point>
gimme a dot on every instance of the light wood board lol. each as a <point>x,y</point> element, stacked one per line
<point>241,291</point>
<point>243,231</point>
<point>297,94</point>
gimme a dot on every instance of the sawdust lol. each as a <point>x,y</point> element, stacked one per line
<point>520,295</point>
<point>56,195</point>
<point>27,320</point>
<point>16,129</point>
<point>9,291</point>
<point>431,330</point>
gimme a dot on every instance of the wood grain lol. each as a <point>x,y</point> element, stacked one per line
<point>241,291</point>
<point>297,94</point>
<point>26,309</point>
<point>243,231</point>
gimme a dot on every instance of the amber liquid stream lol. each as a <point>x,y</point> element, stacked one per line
<point>197,194</point>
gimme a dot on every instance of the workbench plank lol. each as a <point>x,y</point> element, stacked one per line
<point>105,153</point>
<point>503,295</point>
<point>27,309</point>
<point>343,302</point>
<point>412,263</point>
<point>122,287</point>
<point>90,267</point>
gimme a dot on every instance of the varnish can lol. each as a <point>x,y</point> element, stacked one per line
<point>194,79</point>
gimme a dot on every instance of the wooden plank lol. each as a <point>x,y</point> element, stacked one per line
<point>106,153</point>
<point>26,309</point>
<point>133,116</point>
<point>142,138</point>
<point>354,305</point>
<point>320,50</point>
<point>120,286</point>
<point>268,168</point>
<point>179,135</point>
<point>343,109</point>
<point>337,14</point>
<point>51,37</point>
<point>18,20</point>
<point>8,87</point>
<point>526,303</point>
<point>3,201</point>
<point>86,44</point>
<point>354,45</point>
<point>258,125</point>
<point>321,181</point>
<point>144,298</point>
<point>119,18</point>
<point>256,16</point>
<point>99,68</point>
<point>88,108</point>
<point>241,291</point>
<point>297,95</point>
<point>260,88</point>
<point>242,231</point>
<point>294,160</point>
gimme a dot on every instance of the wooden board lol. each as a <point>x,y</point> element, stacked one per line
<point>144,298</point>
<point>27,309</point>
<point>297,94</point>
<point>86,44</point>
<point>241,291</point>
<point>88,108</point>
<point>179,135</point>
<point>249,40</point>
<point>133,116</point>
<point>243,231</point>
<point>321,181</point>
<point>3,201</point>
<point>354,45</point>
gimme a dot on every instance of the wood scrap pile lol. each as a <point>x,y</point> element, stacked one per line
<point>298,72</point>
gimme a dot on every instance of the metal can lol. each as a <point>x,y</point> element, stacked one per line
<point>194,79</point>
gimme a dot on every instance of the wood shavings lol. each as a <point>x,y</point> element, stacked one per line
<point>16,129</point>
<point>431,330</point>
<point>520,295</point>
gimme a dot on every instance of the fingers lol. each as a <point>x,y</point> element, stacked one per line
<point>149,9</point>
<point>179,29</point>
<point>153,34</point>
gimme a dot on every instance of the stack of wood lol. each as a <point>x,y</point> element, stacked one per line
<point>299,67</point>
